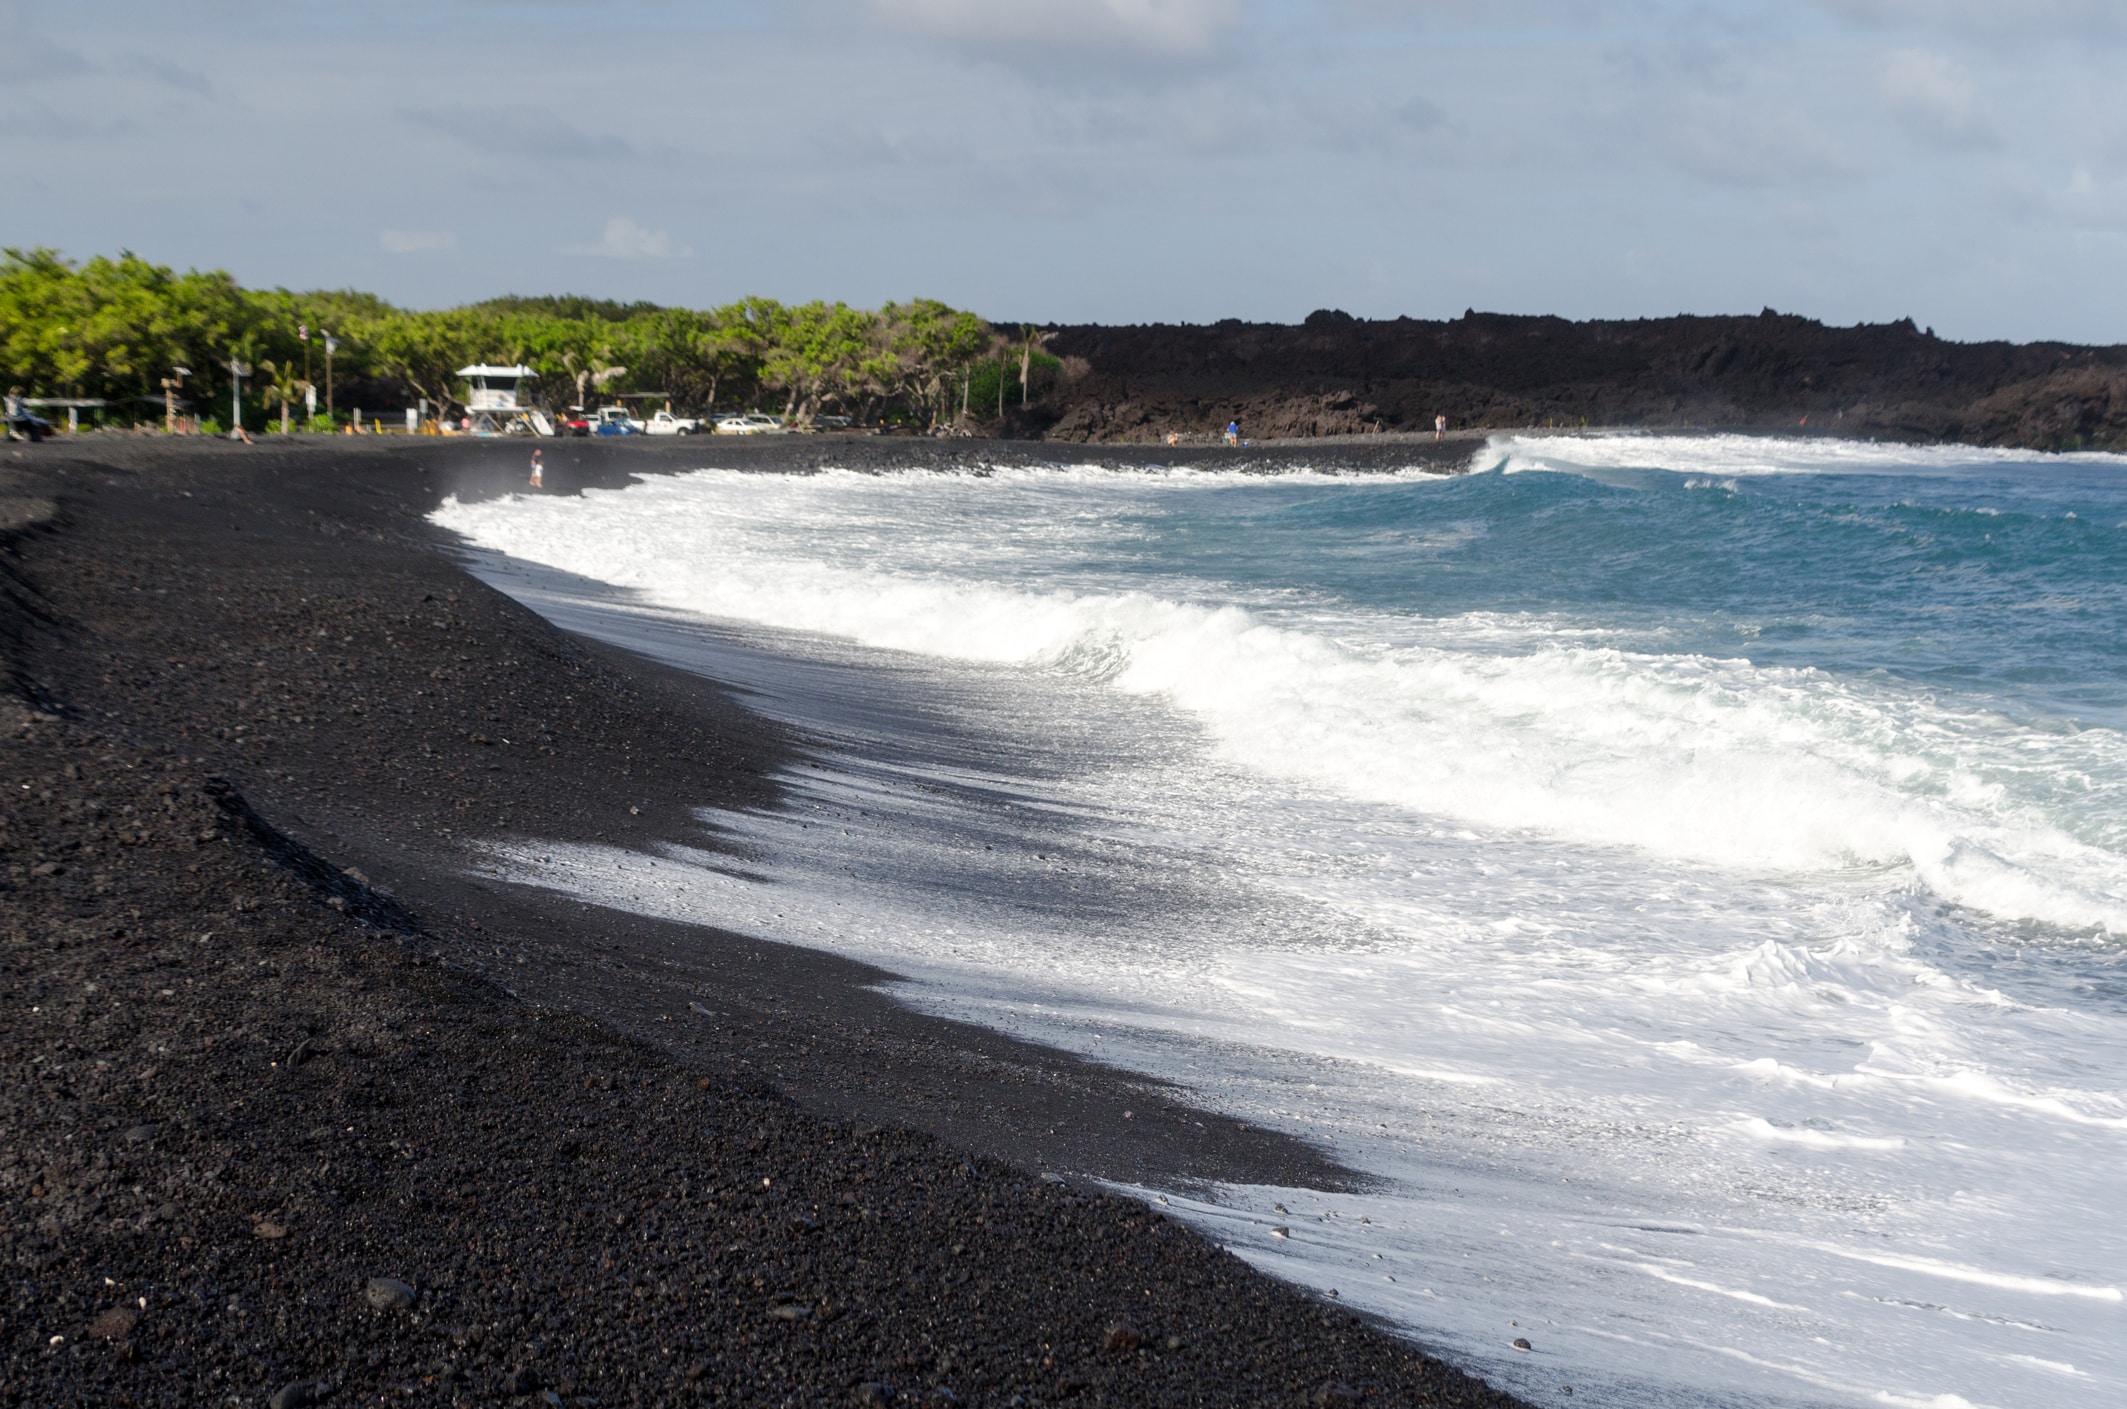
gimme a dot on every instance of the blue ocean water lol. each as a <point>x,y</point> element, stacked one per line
<point>2001,576</point>
<point>1690,873</point>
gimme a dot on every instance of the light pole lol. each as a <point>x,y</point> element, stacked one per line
<point>302,335</point>
<point>237,372</point>
<point>332,345</point>
<point>170,384</point>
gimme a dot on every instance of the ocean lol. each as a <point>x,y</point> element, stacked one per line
<point>1687,874</point>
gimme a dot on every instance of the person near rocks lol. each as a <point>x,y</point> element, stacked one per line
<point>1440,427</point>
<point>1233,432</point>
<point>538,481</point>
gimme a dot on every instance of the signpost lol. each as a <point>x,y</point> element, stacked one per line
<point>237,372</point>
<point>170,384</point>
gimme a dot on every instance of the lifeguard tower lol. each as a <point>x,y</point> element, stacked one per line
<point>492,404</point>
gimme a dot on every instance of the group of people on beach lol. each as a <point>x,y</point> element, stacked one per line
<point>1232,433</point>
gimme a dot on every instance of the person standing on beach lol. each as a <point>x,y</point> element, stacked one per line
<point>1233,432</point>
<point>1440,428</point>
<point>538,482</point>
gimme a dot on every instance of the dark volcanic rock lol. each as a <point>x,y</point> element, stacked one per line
<point>389,1294</point>
<point>115,1324</point>
<point>1335,375</point>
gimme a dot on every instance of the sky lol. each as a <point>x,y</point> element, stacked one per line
<point>1959,162</point>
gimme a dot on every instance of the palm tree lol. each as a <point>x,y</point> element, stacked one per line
<point>1030,338</point>
<point>591,371</point>
<point>280,379</point>
<point>1001,346</point>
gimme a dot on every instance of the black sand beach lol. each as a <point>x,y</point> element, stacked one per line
<point>268,1040</point>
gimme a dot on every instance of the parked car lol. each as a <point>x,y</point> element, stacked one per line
<point>665,423</point>
<point>752,424</point>
<point>615,420</point>
<point>577,422</point>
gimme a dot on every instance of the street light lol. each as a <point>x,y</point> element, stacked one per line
<point>238,371</point>
<point>170,384</point>
<point>332,345</point>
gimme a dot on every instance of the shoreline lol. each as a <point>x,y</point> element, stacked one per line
<point>369,729</point>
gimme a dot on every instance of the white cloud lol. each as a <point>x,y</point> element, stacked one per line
<point>31,57</point>
<point>529,133</point>
<point>1742,142</point>
<point>624,239</point>
<point>416,241</point>
<point>1934,98</point>
<point>1157,28</point>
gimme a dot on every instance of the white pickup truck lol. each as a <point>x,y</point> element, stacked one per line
<point>752,423</point>
<point>615,420</point>
<point>665,423</point>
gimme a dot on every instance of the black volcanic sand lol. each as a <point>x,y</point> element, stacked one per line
<point>267,1042</point>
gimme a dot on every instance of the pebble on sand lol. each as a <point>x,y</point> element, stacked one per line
<point>389,1294</point>
<point>115,1324</point>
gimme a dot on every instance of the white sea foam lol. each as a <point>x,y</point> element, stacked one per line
<point>1723,458</point>
<point>1759,1128</point>
<point>1482,720</point>
<point>1629,974</point>
<point>1980,1276</point>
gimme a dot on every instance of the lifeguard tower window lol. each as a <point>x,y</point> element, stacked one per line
<point>491,400</point>
<point>494,388</point>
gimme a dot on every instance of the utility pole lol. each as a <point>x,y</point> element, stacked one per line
<point>302,335</point>
<point>237,372</point>
<point>170,384</point>
<point>332,345</point>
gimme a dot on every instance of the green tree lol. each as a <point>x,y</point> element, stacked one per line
<point>1031,340</point>
<point>423,350</point>
<point>282,381</point>
<point>114,327</point>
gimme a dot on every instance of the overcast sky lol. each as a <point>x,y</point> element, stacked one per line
<point>1962,162</point>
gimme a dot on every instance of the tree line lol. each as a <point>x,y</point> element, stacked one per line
<point>115,328</point>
